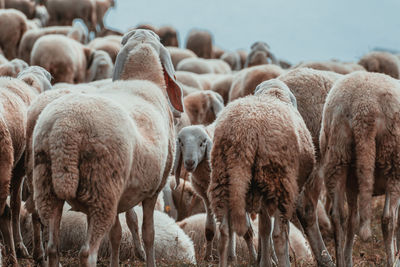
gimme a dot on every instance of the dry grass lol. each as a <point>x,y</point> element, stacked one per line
<point>371,253</point>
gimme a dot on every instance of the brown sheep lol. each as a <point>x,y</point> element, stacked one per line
<point>102,7</point>
<point>31,36</point>
<point>233,60</point>
<point>217,52</point>
<point>64,12</point>
<point>247,79</point>
<point>111,44</point>
<point>203,107</point>
<point>260,54</point>
<point>11,35</point>
<point>338,67</point>
<point>243,56</point>
<point>201,43</point>
<point>140,105</point>
<point>382,62</point>
<point>168,36</point>
<point>179,54</point>
<point>145,26</point>
<point>241,178</point>
<point>13,67</point>
<point>222,86</point>
<point>70,61</point>
<point>25,6</point>
<point>16,96</point>
<point>359,145</point>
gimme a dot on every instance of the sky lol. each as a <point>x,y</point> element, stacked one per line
<point>296,30</point>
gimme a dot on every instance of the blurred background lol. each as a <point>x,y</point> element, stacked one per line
<point>295,30</point>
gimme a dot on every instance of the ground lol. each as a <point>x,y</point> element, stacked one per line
<point>369,253</point>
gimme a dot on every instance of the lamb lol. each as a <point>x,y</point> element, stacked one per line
<point>29,38</point>
<point>11,35</point>
<point>171,242</point>
<point>246,80</point>
<point>12,68</point>
<point>240,178</point>
<point>382,62</point>
<point>260,54</point>
<point>179,54</point>
<point>201,43</point>
<point>135,148</point>
<point>203,107</point>
<point>69,61</point>
<point>16,96</point>
<point>204,66</point>
<point>359,147</point>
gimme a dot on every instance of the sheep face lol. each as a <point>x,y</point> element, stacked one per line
<point>193,146</point>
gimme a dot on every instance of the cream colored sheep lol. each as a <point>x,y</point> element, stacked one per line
<point>203,66</point>
<point>246,80</point>
<point>111,44</point>
<point>11,35</point>
<point>203,107</point>
<point>178,54</point>
<point>16,96</point>
<point>335,66</point>
<point>382,62</point>
<point>247,176</point>
<point>121,147</point>
<point>12,68</point>
<point>359,145</point>
<point>69,61</point>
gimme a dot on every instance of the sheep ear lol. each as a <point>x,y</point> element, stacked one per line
<point>208,148</point>
<point>217,103</point>
<point>174,91</point>
<point>273,58</point>
<point>89,54</point>
<point>127,36</point>
<point>177,164</point>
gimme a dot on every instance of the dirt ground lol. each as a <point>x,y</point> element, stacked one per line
<point>371,253</point>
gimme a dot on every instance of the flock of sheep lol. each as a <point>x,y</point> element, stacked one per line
<point>210,143</point>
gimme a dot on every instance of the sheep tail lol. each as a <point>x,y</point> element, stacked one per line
<point>64,155</point>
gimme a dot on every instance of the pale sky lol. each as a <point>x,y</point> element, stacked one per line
<point>295,29</point>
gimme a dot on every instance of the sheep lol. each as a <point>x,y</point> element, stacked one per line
<point>11,35</point>
<point>171,242</point>
<point>270,118</point>
<point>111,44</point>
<point>30,37</point>
<point>382,62</point>
<point>201,43</point>
<point>217,52</point>
<point>194,145</point>
<point>25,6</point>
<point>222,86</point>
<point>12,68</point>
<point>246,80</point>
<point>102,7</point>
<point>69,61</point>
<point>233,59</point>
<point>204,66</point>
<point>179,54</point>
<point>168,36</point>
<point>203,107</point>
<point>135,148</point>
<point>338,67</point>
<point>359,148</point>
<point>260,54</point>
<point>189,79</point>
<point>16,96</point>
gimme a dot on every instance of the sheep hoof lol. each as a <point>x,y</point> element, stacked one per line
<point>139,254</point>
<point>21,250</point>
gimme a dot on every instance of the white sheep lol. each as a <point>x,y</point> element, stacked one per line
<point>109,151</point>
<point>203,66</point>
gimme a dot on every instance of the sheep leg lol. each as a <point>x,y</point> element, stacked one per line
<point>132,222</point>
<point>209,230</point>
<point>38,251</point>
<point>6,231</point>
<point>115,236</point>
<point>352,222</point>
<point>265,236</point>
<point>15,201</point>
<point>388,220</point>
<point>231,244</point>
<point>148,229</point>
<point>248,237</point>
<point>281,239</point>
<point>54,234</point>
<point>223,243</point>
<point>98,224</point>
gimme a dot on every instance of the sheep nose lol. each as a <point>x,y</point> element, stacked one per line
<point>189,164</point>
